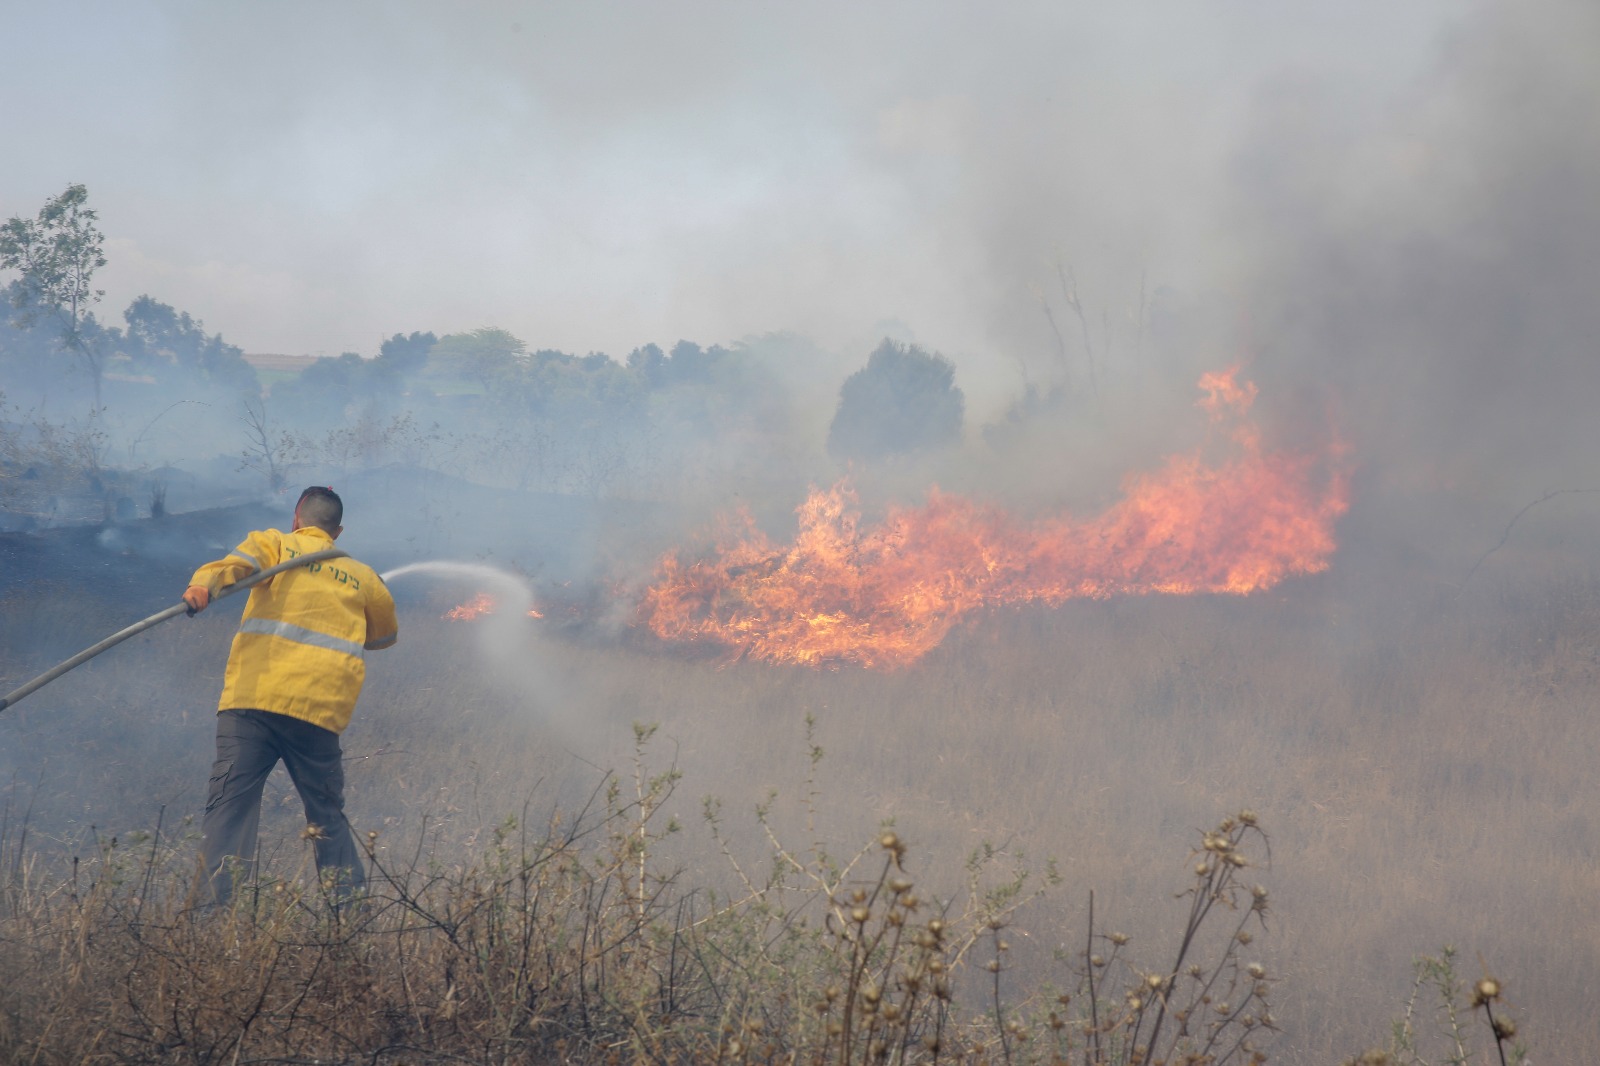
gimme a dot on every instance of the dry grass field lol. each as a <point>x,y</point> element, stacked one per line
<point>1421,758</point>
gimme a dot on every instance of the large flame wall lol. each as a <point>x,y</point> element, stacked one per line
<point>1236,521</point>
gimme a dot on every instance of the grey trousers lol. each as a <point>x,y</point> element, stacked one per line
<point>249,745</point>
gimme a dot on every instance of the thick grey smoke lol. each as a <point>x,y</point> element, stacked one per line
<point>1435,264</point>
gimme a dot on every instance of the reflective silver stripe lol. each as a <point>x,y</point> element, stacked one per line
<point>252,561</point>
<point>300,635</point>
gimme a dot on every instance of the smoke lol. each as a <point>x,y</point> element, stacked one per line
<point>1433,264</point>
<point>591,180</point>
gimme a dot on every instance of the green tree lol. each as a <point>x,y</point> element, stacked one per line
<point>329,392</point>
<point>406,355</point>
<point>486,355</point>
<point>56,255</point>
<point>903,400</point>
<point>161,338</point>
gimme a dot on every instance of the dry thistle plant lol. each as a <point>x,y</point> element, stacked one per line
<point>1449,1038</point>
<point>1210,1004</point>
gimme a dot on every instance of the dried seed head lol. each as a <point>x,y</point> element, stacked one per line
<point>891,1012</point>
<point>835,1028</point>
<point>830,993</point>
<point>313,832</point>
<point>889,842</point>
<point>1155,981</point>
<point>1202,868</point>
<point>900,886</point>
<point>1504,1028</point>
<point>1256,970</point>
<point>936,927</point>
<point>1485,991</point>
<point>1247,816</point>
<point>860,915</point>
<point>997,922</point>
<point>870,993</point>
<point>1118,939</point>
<point>858,896</point>
<point>1243,936</point>
<point>994,966</point>
<point>1096,960</point>
<point>754,1025</point>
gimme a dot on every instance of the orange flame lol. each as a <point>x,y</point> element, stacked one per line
<point>480,604</point>
<point>887,595</point>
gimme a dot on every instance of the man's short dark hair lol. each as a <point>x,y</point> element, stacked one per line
<point>320,506</point>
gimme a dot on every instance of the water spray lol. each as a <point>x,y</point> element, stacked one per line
<point>512,587</point>
<point>161,616</point>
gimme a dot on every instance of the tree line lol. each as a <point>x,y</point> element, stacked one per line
<point>480,400</point>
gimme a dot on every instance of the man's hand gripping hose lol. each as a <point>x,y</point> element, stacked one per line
<point>185,606</point>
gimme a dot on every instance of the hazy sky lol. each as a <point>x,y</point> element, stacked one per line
<point>311,177</point>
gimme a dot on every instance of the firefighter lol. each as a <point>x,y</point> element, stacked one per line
<point>292,680</point>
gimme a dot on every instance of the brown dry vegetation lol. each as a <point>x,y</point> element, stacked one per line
<point>1422,758</point>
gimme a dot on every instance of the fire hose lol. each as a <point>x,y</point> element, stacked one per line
<point>161,616</point>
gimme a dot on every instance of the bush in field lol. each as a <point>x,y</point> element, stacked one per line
<point>903,400</point>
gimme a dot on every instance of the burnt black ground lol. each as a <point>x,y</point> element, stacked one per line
<point>146,560</point>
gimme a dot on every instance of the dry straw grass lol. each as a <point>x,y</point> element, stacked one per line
<point>1424,759</point>
<point>570,943</point>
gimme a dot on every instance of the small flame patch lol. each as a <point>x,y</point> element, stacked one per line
<point>479,605</point>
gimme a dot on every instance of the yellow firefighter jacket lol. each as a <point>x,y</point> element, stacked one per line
<point>300,645</point>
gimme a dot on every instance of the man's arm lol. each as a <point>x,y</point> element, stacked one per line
<point>261,549</point>
<point>383,627</point>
